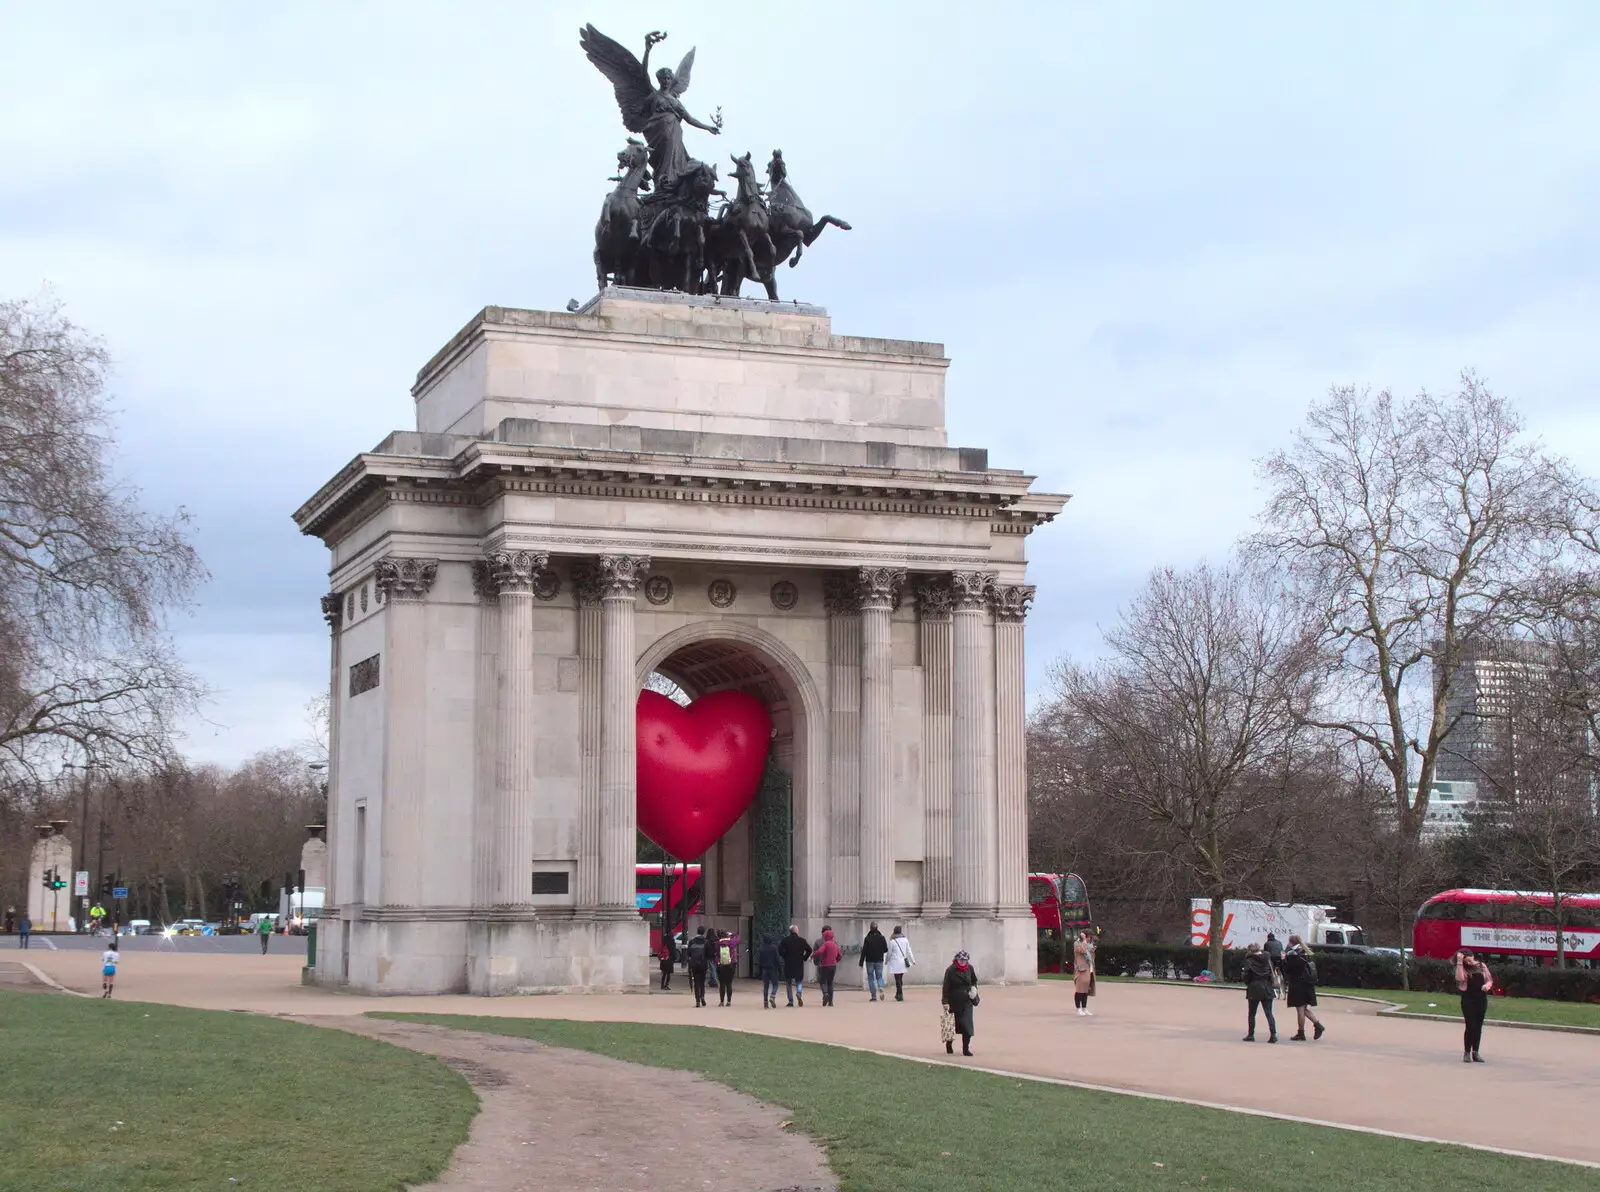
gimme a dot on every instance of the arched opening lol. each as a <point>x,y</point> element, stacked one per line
<point>752,879</point>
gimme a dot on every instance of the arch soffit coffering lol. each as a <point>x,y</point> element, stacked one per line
<point>788,667</point>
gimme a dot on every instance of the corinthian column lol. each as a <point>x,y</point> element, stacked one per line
<point>933,630</point>
<point>333,614</point>
<point>1010,604</point>
<point>973,854</point>
<point>402,585</point>
<point>878,588</point>
<point>620,576</point>
<point>842,598</point>
<point>513,574</point>
<point>588,587</point>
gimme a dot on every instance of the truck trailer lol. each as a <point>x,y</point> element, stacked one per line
<point>1246,921</point>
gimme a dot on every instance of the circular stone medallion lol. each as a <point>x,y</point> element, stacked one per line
<point>658,589</point>
<point>547,585</point>
<point>721,592</point>
<point>785,595</point>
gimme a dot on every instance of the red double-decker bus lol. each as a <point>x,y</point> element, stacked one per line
<point>1512,924</point>
<point>662,906</point>
<point>1060,904</point>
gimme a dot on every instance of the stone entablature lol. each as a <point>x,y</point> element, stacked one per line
<point>518,588</point>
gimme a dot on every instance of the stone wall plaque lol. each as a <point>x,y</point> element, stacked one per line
<point>785,595</point>
<point>364,675</point>
<point>721,592</point>
<point>658,589</point>
<point>549,881</point>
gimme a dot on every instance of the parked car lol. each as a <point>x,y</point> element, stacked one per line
<point>1346,949</point>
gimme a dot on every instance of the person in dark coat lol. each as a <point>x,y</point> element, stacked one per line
<point>769,962</point>
<point>24,930</point>
<point>725,960</point>
<point>1301,979</point>
<point>959,996</point>
<point>795,952</point>
<point>1474,982</point>
<point>1274,950</point>
<point>1258,991</point>
<point>874,947</point>
<point>698,955</point>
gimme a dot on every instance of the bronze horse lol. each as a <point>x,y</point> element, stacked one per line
<point>617,234</point>
<point>791,225</point>
<point>740,245</point>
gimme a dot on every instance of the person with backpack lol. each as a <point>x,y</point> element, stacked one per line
<point>1259,990</point>
<point>874,948</point>
<point>899,962</point>
<point>725,953</point>
<point>769,963</point>
<point>1300,974</point>
<point>795,952</point>
<point>698,956</point>
<point>826,958</point>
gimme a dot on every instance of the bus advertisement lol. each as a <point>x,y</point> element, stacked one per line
<point>1060,903</point>
<point>1513,924</point>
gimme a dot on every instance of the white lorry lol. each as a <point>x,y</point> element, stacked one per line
<point>1247,921</point>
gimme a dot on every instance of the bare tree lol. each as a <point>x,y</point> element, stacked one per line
<point>1196,724</point>
<point>86,574</point>
<point>1411,531</point>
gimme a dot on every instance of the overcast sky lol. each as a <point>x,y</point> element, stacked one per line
<point>1148,235</point>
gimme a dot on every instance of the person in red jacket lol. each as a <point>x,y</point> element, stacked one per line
<point>826,958</point>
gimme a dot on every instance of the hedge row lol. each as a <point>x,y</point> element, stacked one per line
<point>1343,969</point>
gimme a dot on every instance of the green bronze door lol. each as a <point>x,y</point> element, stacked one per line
<point>773,863</point>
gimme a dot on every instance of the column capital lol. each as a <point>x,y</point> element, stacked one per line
<point>934,597</point>
<point>969,589</point>
<point>880,586</point>
<point>514,572</point>
<point>333,611</point>
<point>1010,601</point>
<point>404,578</point>
<point>841,594</point>
<point>622,574</point>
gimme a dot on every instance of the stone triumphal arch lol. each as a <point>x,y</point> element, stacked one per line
<point>723,492</point>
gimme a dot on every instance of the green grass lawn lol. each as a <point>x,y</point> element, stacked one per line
<point>896,1126</point>
<point>1506,1009</point>
<point>100,1096</point>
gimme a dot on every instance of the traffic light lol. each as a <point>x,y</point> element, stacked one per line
<point>106,886</point>
<point>49,879</point>
<point>288,881</point>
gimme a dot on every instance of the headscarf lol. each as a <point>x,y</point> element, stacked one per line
<point>962,960</point>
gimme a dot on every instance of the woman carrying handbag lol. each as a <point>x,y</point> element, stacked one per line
<point>959,998</point>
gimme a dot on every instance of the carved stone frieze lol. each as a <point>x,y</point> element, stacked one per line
<point>333,610</point>
<point>934,598</point>
<point>1010,601</point>
<point>880,586</point>
<point>404,579</point>
<point>517,571</point>
<point>587,583</point>
<point>970,589</point>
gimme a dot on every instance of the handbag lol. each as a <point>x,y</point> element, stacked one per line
<point>1091,984</point>
<point>947,1025</point>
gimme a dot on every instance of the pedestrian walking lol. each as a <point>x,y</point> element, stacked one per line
<point>11,919</point>
<point>899,962</point>
<point>24,930</point>
<point>826,958</point>
<point>874,949</point>
<point>1300,977</point>
<point>698,955</point>
<point>726,954</point>
<point>264,930</point>
<point>1083,973</point>
<point>108,968</point>
<point>1259,990</point>
<point>1274,950</point>
<point>669,959</point>
<point>959,998</point>
<point>712,936</point>
<point>769,963</point>
<point>1474,981</point>
<point>795,952</point>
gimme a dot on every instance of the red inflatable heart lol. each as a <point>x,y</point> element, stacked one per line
<point>699,767</point>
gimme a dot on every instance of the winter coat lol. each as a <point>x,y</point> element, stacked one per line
<point>900,958</point>
<point>1258,977</point>
<point>827,953</point>
<point>1082,967</point>
<point>795,952</point>
<point>957,994</point>
<point>874,947</point>
<point>1296,967</point>
<point>770,960</point>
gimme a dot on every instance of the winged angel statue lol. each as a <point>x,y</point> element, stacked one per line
<point>653,112</point>
<point>668,239</point>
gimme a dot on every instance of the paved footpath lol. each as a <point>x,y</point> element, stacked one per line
<point>1536,1094</point>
